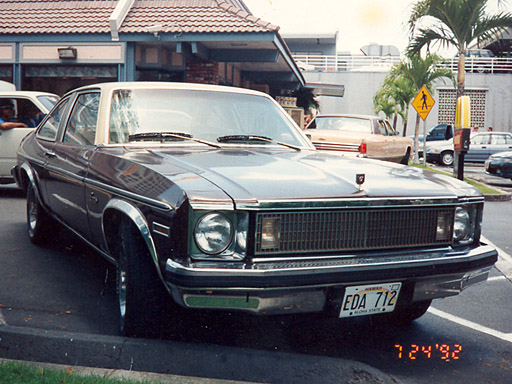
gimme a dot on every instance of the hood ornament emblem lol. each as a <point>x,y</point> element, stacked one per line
<point>360,178</point>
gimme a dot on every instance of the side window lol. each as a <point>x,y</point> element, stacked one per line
<point>438,133</point>
<point>81,128</point>
<point>498,139</point>
<point>480,139</point>
<point>390,129</point>
<point>383,130</point>
<point>49,129</point>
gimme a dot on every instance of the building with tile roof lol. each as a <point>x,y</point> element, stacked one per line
<point>57,45</point>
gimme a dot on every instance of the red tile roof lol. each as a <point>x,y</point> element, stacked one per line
<point>55,16</point>
<point>92,16</point>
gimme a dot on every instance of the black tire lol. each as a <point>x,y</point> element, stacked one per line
<point>39,223</point>
<point>143,300</point>
<point>406,315</point>
<point>446,158</point>
<point>405,159</point>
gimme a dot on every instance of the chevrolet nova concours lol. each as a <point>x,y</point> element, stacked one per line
<point>213,197</point>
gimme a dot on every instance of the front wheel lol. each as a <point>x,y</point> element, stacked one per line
<point>446,158</point>
<point>39,223</point>
<point>143,299</point>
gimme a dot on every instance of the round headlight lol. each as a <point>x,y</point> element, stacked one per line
<point>462,224</point>
<point>213,233</point>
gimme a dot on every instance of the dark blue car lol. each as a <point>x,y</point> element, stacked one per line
<point>500,164</point>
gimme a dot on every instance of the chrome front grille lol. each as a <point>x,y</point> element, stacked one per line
<point>352,230</point>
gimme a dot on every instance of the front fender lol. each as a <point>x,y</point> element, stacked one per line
<point>126,209</point>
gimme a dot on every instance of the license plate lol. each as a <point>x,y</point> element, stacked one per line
<point>370,299</point>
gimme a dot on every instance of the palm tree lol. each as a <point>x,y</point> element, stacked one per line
<point>457,23</point>
<point>401,90</point>
<point>420,72</point>
<point>382,102</point>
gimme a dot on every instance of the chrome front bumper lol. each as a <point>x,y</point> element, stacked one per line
<point>295,290</point>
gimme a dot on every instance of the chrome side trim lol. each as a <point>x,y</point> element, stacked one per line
<point>129,195</point>
<point>212,205</point>
<point>31,177</point>
<point>106,255</point>
<point>161,229</point>
<point>32,180</point>
<point>140,222</point>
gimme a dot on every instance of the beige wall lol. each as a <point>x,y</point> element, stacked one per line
<point>85,53</point>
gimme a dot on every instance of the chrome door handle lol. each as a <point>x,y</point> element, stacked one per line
<point>50,154</point>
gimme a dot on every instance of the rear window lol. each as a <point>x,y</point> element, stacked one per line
<point>340,123</point>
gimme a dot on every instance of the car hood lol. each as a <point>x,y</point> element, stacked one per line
<point>253,176</point>
<point>502,155</point>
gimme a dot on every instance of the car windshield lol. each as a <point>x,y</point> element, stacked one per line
<point>341,123</point>
<point>202,115</point>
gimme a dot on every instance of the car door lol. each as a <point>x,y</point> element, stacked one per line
<point>68,163</point>
<point>390,149</point>
<point>478,148</point>
<point>42,150</point>
<point>500,142</point>
<point>10,139</point>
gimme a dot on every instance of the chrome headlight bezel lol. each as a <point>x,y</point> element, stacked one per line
<point>218,235</point>
<point>213,233</point>
<point>466,224</point>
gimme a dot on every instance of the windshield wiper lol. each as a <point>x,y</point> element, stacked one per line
<point>231,138</point>
<point>162,136</point>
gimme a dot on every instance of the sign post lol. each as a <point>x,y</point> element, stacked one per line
<point>423,103</point>
<point>461,134</point>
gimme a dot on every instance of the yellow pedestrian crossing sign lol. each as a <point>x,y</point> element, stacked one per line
<point>423,102</point>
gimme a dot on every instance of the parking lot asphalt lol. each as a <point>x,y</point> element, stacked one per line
<point>167,361</point>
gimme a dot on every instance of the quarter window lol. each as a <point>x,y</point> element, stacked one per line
<point>81,128</point>
<point>50,127</point>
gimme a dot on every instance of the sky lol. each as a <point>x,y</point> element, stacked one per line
<point>358,22</point>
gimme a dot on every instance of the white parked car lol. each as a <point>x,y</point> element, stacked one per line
<point>28,107</point>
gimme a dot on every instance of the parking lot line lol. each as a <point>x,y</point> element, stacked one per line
<point>504,263</point>
<point>470,324</point>
<point>496,278</point>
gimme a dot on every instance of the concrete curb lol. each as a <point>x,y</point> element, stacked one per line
<point>192,363</point>
<point>505,196</point>
<point>502,196</point>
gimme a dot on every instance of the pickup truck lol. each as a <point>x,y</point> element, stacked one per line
<point>438,134</point>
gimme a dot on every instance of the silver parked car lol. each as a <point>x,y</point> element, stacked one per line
<point>482,146</point>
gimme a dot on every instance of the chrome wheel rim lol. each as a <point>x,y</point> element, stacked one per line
<point>448,159</point>
<point>121,291</point>
<point>32,214</point>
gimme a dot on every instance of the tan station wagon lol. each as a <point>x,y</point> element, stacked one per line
<point>366,136</point>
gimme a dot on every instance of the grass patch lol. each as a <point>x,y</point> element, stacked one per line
<point>482,187</point>
<point>19,373</point>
